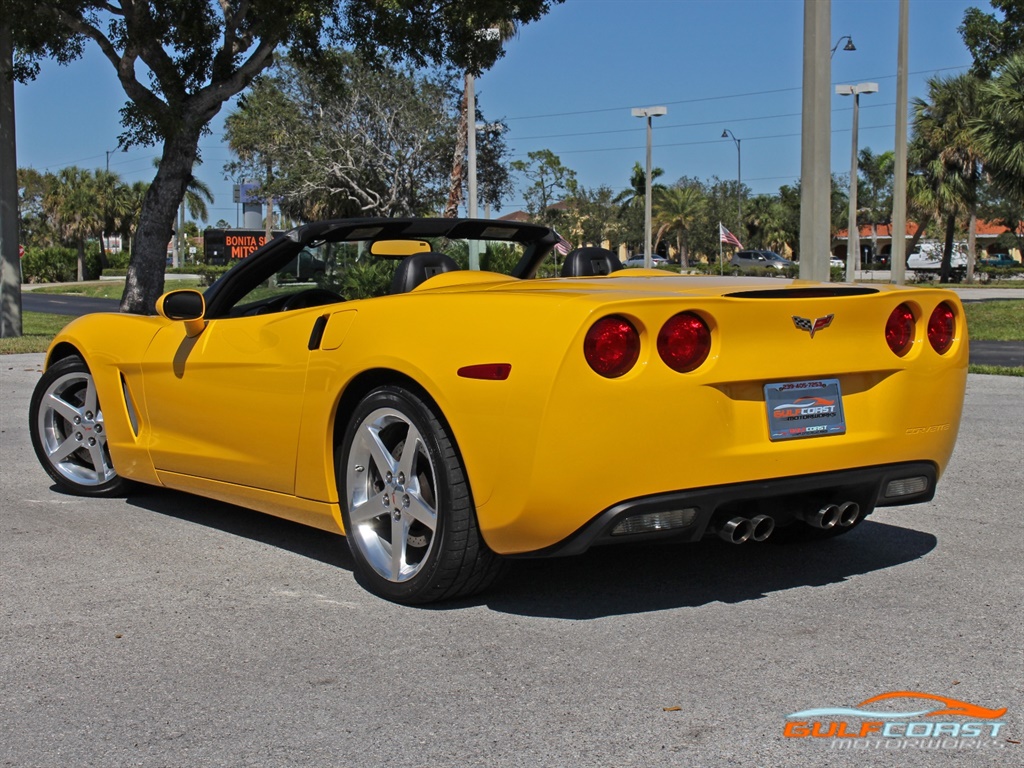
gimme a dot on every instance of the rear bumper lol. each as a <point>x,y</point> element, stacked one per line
<point>702,511</point>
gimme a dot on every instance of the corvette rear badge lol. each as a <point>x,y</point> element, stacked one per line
<point>812,326</point>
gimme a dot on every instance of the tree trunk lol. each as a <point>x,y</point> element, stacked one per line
<point>972,246</point>
<point>145,281</point>
<point>947,249</point>
<point>917,236</point>
<point>81,260</point>
<point>451,210</point>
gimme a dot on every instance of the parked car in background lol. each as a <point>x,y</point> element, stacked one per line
<point>836,261</point>
<point>760,260</point>
<point>638,261</point>
<point>999,260</point>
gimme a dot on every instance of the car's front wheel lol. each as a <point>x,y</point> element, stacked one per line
<point>68,432</point>
<point>406,503</point>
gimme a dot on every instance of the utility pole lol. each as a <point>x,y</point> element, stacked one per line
<point>10,258</point>
<point>898,249</point>
<point>815,143</point>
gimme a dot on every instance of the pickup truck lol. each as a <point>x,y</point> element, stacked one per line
<point>999,260</point>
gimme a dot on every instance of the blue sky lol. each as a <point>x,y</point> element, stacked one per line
<point>567,83</point>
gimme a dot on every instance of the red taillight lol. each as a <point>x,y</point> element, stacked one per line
<point>942,328</point>
<point>612,346</point>
<point>899,330</point>
<point>684,342</point>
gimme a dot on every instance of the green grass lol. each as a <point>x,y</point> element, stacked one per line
<point>996,370</point>
<point>110,289</point>
<point>37,330</point>
<point>995,320</point>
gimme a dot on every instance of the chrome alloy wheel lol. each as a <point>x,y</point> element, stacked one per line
<point>393,495</point>
<point>71,431</point>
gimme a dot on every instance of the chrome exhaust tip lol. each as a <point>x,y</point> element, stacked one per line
<point>824,518</point>
<point>849,513</point>
<point>736,531</point>
<point>761,527</point>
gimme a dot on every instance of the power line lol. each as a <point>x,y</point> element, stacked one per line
<point>714,98</point>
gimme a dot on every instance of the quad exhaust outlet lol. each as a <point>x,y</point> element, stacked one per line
<point>844,515</point>
<point>738,530</point>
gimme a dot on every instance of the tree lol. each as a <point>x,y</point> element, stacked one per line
<point>999,129</point>
<point>678,209</point>
<point>592,215</point>
<point>113,200</point>
<point>33,224</point>
<point>70,205</point>
<point>178,61</point>
<point>874,190</point>
<point>766,219</point>
<point>633,200</point>
<point>549,182</point>
<point>945,152</point>
<point>990,39</point>
<point>366,141</point>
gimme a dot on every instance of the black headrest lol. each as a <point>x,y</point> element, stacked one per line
<point>586,262</point>
<point>413,270</point>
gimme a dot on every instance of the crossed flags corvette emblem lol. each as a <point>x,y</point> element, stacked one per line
<point>812,326</point>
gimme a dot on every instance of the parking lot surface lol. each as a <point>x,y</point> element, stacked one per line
<point>168,630</point>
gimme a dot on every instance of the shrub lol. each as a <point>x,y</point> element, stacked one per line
<point>55,264</point>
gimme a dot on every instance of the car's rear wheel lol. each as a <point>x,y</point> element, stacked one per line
<point>406,503</point>
<point>68,432</point>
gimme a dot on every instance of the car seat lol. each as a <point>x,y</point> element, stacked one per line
<point>587,262</point>
<point>415,269</point>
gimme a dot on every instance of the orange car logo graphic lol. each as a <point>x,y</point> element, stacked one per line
<point>804,406</point>
<point>907,722</point>
<point>812,326</point>
<point>951,706</point>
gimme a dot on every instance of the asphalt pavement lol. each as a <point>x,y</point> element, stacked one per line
<point>167,630</point>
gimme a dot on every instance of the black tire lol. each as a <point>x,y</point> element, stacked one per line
<point>400,478</point>
<point>68,433</point>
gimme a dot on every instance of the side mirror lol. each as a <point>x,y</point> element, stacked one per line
<point>186,305</point>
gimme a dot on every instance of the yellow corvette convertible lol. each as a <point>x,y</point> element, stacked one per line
<point>445,418</point>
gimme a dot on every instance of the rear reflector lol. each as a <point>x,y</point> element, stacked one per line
<point>656,521</point>
<point>488,371</point>
<point>908,486</point>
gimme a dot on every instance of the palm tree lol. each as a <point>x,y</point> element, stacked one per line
<point>946,153</point>
<point>114,201</point>
<point>631,201</point>
<point>70,203</point>
<point>678,209</point>
<point>766,222</point>
<point>999,129</point>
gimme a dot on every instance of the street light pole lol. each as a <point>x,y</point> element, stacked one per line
<point>649,113</point>
<point>727,134</point>
<point>852,231</point>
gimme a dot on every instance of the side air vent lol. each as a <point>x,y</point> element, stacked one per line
<point>803,293</point>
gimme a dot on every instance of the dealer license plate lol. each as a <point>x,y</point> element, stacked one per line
<point>804,409</point>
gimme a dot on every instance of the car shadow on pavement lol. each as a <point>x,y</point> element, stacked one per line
<point>617,580</point>
<point>606,581</point>
<point>326,547</point>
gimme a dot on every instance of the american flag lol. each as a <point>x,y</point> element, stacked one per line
<point>563,246</point>
<point>728,237</point>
